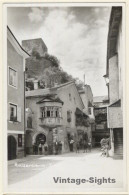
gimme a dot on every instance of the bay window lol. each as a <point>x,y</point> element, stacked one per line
<point>50,111</point>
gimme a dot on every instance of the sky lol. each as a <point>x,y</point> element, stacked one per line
<point>77,36</point>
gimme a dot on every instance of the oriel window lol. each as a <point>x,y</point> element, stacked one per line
<point>50,112</point>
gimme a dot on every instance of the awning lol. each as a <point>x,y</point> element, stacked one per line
<point>116,104</point>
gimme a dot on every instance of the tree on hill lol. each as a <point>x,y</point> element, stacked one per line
<point>52,58</point>
<point>54,74</point>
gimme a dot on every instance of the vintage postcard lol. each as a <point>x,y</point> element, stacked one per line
<point>64,98</point>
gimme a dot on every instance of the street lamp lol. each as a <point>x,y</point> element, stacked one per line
<point>107,83</point>
<point>106,79</point>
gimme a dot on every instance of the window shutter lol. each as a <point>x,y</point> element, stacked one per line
<point>19,114</point>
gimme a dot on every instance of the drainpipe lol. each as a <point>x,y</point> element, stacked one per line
<point>24,116</point>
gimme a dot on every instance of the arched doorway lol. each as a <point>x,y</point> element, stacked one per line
<point>40,138</point>
<point>12,145</point>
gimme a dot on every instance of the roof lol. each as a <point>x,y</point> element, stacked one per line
<point>50,98</point>
<point>38,92</point>
<point>48,91</point>
<point>100,107</point>
<point>98,99</point>
<point>63,85</point>
<point>79,112</point>
<point>116,104</point>
<point>17,41</point>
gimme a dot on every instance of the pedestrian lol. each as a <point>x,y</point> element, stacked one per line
<point>40,148</point>
<point>85,146</point>
<point>60,147</point>
<point>85,142</point>
<point>77,146</point>
<point>46,148</point>
<point>89,146</point>
<point>71,145</point>
<point>56,147</point>
<point>34,148</point>
<point>105,146</point>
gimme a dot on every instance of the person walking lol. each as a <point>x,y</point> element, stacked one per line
<point>46,148</point>
<point>85,146</point>
<point>60,147</point>
<point>40,148</point>
<point>34,148</point>
<point>77,146</point>
<point>85,142</point>
<point>89,145</point>
<point>56,147</point>
<point>105,146</point>
<point>71,145</point>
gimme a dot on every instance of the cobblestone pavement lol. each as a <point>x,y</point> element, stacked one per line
<point>37,173</point>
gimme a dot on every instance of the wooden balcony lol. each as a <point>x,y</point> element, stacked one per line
<point>51,122</point>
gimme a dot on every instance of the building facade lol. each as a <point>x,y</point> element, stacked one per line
<point>53,113</point>
<point>87,98</point>
<point>114,73</point>
<point>15,96</point>
<point>100,111</point>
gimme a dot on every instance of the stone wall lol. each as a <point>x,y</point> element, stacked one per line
<point>35,44</point>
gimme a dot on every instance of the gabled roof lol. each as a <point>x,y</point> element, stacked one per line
<point>53,90</point>
<point>63,85</point>
<point>38,93</point>
<point>79,112</point>
<point>13,39</point>
<point>49,98</point>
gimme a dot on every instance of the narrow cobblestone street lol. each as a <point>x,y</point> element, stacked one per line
<point>36,173</point>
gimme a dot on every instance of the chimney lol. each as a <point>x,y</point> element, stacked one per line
<point>35,84</point>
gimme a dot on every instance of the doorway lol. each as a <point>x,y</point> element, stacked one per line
<point>12,146</point>
<point>40,138</point>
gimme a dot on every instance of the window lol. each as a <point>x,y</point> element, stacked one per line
<point>29,122</point>
<point>56,113</point>
<point>13,112</point>
<point>12,77</point>
<point>74,100</point>
<point>70,98</point>
<point>89,110</point>
<point>69,116</point>
<point>50,112</point>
